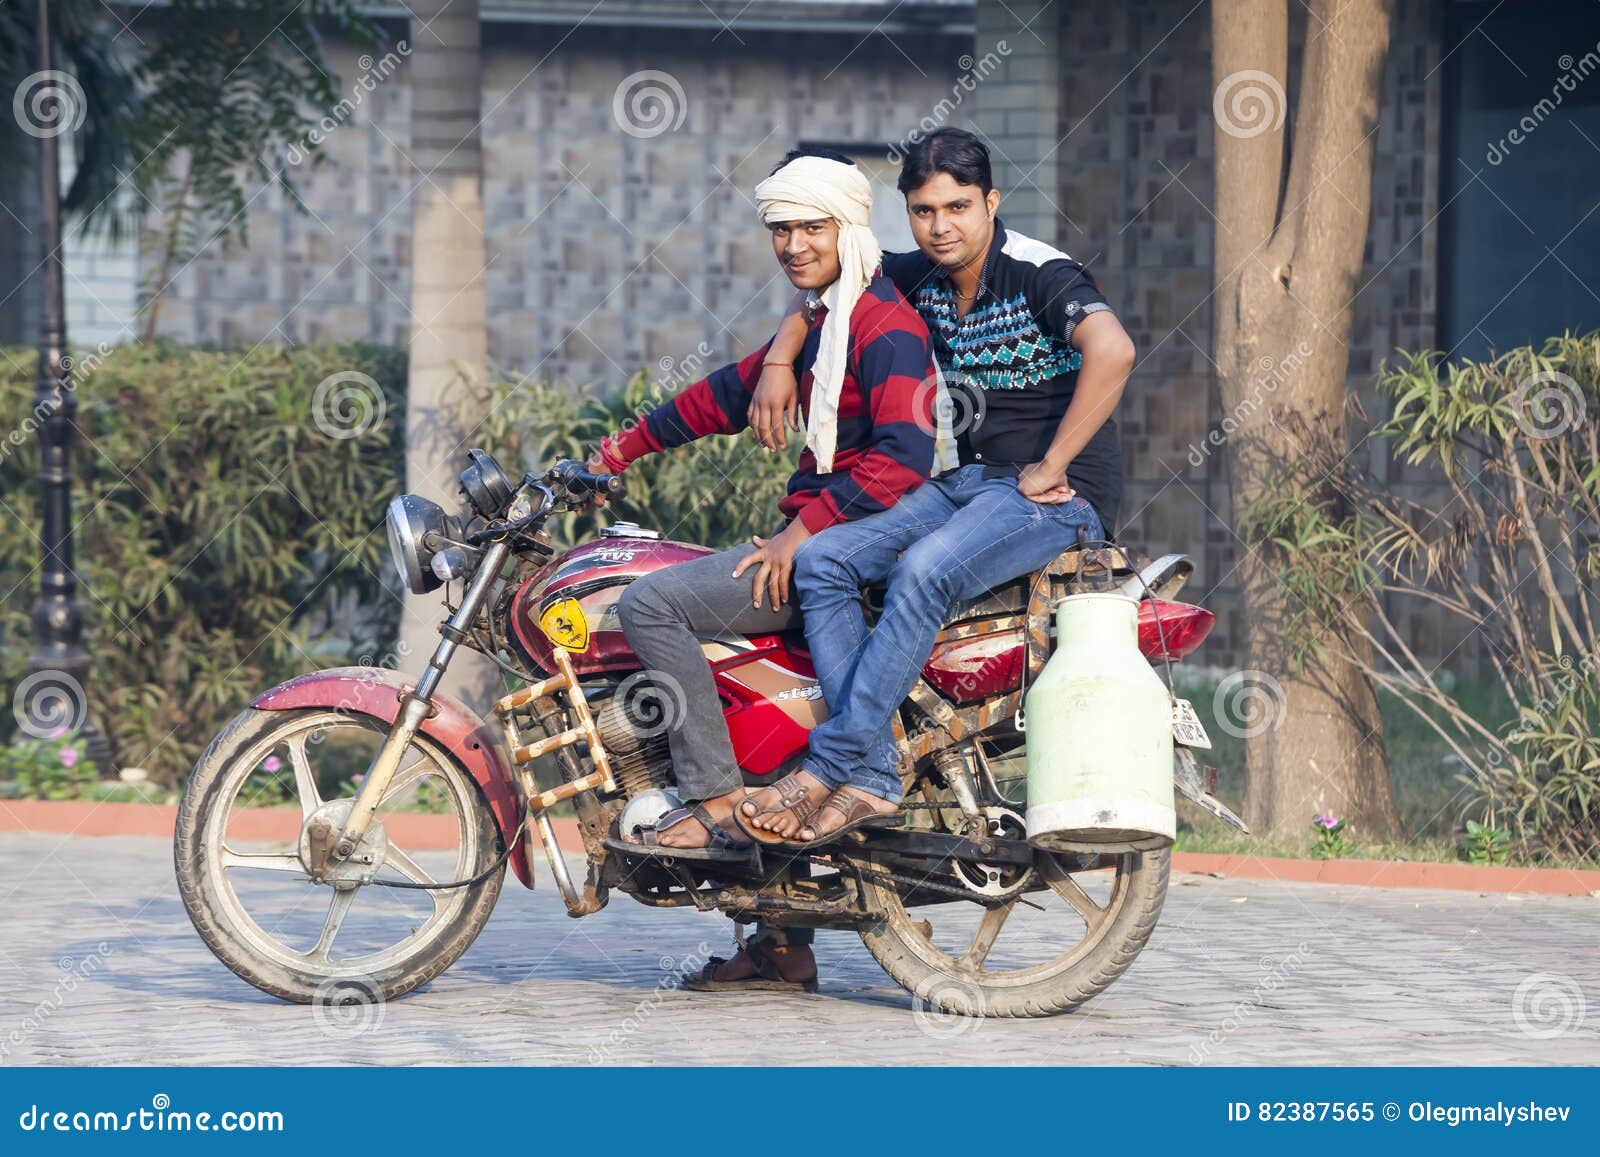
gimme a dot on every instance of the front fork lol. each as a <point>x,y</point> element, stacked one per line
<point>418,704</point>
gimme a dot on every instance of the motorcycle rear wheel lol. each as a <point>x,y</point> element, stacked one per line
<point>942,981</point>
<point>221,867</point>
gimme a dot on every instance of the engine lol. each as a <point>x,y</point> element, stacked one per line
<point>633,726</point>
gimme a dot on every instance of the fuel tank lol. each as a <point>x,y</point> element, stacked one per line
<point>770,698</point>
<point>571,601</point>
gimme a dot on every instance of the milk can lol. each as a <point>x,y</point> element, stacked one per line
<point>1099,736</point>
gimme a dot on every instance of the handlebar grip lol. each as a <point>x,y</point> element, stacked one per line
<point>577,480</point>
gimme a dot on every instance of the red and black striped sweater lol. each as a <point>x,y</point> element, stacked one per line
<point>885,426</point>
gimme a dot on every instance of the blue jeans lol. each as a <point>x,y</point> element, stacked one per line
<point>961,534</point>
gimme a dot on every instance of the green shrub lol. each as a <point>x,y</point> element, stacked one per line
<point>47,768</point>
<point>1514,553</point>
<point>228,528</point>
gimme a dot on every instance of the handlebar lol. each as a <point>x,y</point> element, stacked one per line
<point>580,482</point>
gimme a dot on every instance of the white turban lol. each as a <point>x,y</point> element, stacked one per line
<point>809,189</point>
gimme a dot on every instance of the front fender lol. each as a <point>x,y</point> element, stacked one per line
<point>375,691</point>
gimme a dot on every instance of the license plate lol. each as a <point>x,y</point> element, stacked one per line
<point>1186,726</point>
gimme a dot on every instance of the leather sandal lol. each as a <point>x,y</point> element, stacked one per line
<point>794,795</point>
<point>724,842</point>
<point>768,978</point>
<point>855,807</point>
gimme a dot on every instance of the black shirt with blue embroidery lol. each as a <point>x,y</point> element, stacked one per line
<point>1010,362</point>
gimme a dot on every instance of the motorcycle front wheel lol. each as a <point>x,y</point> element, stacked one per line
<point>1030,953</point>
<point>240,852</point>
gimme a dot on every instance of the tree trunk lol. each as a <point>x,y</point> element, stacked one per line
<point>1288,261</point>
<point>449,326</point>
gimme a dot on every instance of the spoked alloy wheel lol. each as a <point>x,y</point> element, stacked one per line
<point>1016,948</point>
<point>241,873</point>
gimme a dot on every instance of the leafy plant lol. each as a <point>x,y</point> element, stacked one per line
<point>192,116</point>
<point>1514,554</point>
<point>229,534</point>
<point>1331,843</point>
<point>1484,844</point>
<point>47,768</point>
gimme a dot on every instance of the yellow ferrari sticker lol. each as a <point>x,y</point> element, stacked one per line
<point>565,625</point>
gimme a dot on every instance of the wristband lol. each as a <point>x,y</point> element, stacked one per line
<point>607,451</point>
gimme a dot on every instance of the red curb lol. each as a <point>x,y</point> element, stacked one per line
<point>1395,874</point>
<point>421,832</point>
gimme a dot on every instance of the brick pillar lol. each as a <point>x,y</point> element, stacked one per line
<point>1019,114</point>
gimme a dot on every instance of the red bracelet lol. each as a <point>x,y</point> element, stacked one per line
<point>614,462</point>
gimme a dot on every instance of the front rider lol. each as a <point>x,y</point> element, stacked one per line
<point>862,368</point>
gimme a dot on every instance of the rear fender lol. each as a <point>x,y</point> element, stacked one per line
<point>375,691</point>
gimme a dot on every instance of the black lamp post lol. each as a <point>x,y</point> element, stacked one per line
<point>52,694</point>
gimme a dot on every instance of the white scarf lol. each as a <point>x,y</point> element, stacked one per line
<point>809,189</point>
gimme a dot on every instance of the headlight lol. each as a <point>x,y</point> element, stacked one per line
<point>410,519</point>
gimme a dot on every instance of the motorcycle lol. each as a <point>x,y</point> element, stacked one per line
<point>360,755</point>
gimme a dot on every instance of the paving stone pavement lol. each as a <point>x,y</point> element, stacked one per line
<point>99,965</point>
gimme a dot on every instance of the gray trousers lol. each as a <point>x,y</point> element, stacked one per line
<point>662,615</point>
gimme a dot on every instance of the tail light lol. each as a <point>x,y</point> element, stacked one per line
<point>1169,631</point>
